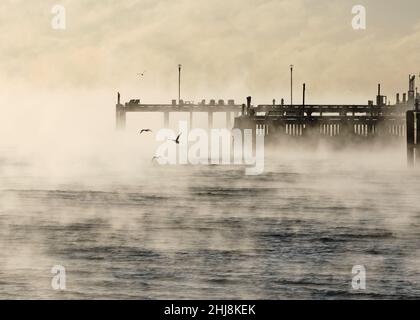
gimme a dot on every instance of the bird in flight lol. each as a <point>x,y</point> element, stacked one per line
<point>141,74</point>
<point>177,139</point>
<point>145,130</point>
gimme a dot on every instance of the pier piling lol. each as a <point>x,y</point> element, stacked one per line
<point>120,117</point>
<point>210,120</point>
<point>413,134</point>
<point>166,119</point>
<point>228,119</point>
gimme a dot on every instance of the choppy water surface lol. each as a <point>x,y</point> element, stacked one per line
<point>192,232</point>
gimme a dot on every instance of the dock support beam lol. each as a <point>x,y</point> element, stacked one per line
<point>166,119</point>
<point>411,137</point>
<point>210,120</point>
<point>120,117</point>
<point>413,134</point>
<point>228,120</point>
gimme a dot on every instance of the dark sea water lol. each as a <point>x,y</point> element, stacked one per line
<point>211,232</point>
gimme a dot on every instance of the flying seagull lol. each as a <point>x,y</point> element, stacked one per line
<point>177,139</point>
<point>145,130</point>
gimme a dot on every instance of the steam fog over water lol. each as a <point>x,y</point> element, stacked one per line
<point>76,193</point>
<point>125,228</point>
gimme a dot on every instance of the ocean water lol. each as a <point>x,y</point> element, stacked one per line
<point>211,232</point>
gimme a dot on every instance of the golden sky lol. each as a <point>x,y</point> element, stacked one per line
<point>228,48</point>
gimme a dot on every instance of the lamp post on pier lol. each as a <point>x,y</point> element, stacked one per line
<point>179,84</point>
<point>291,84</point>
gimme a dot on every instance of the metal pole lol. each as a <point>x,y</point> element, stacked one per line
<point>179,84</point>
<point>304,91</point>
<point>291,84</point>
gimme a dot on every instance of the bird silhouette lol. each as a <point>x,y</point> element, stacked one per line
<point>177,139</point>
<point>145,130</point>
<point>141,74</point>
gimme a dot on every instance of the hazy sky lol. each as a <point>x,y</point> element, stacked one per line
<point>228,48</point>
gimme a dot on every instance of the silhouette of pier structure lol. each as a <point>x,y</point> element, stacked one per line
<point>335,122</point>
<point>229,108</point>
<point>339,123</point>
<point>372,120</point>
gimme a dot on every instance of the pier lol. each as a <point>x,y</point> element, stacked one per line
<point>337,123</point>
<point>325,120</point>
<point>229,107</point>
